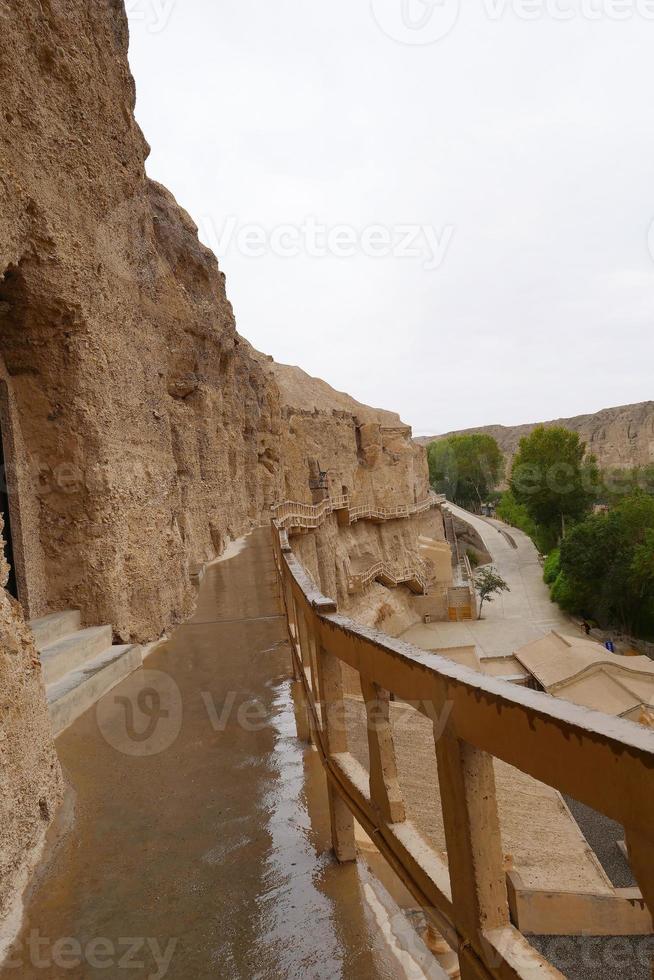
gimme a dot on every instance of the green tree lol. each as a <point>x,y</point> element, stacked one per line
<point>617,482</point>
<point>554,479</point>
<point>607,566</point>
<point>488,583</point>
<point>442,468</point>
<point>511,512</point>
<point>564,594</point>
<point>552,567</point>
<point>642,566</point>
<point>465,468</point>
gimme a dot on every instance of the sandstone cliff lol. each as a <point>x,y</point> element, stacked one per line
<point>619,437</point>
<point>150,432</point>
<point>30,776</point>
<point>369,454</point>
<point>304,393</point>
<point>140,431</point>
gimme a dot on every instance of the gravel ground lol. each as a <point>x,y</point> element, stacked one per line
<point>600,957</point>
<point>603,834</point>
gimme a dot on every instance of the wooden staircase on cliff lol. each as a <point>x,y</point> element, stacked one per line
<point>79,665</point>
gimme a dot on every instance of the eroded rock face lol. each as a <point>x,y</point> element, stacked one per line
<point>30,776</point>
<point>151,431</point>
<point>141,432</point>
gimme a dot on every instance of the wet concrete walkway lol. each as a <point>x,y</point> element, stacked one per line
<point>199,845</point>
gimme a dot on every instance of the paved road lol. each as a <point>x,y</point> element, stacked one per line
<point>514,618</point>
<point>516,559</point>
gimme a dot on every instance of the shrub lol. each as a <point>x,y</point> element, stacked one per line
<point>563,593</point>
<point>552,567</point>
<point>473,558</point>
<point>515,514</point>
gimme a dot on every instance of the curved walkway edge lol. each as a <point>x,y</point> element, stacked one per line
<point>512,619</point>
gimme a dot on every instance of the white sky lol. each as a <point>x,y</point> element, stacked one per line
<point>527,144</point>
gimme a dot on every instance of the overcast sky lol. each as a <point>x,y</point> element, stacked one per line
<point>316,144</point>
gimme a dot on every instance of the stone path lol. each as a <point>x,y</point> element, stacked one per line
<point>200,821</point>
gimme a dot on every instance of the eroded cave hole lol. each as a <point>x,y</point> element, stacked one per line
<point>34,337</point>
<point>12,584</point>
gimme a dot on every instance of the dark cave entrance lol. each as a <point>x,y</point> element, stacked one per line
<point>12,585</point>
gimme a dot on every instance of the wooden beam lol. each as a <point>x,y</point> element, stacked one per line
<point>385,789</point>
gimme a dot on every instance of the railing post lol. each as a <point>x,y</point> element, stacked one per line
<point>310,658</point>
<point>385,791</point>
<point>292,616</point>
<point>335,740</point>
<point>474,846</point>
<point>301,712</point>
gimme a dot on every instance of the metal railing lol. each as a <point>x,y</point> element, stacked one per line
<point>606,763</point>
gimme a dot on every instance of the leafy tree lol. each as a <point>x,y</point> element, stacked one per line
<point>443,470</point>
<point>515,514</point>
<point>465,468</point>
<point>607,564</point>
<point>563,594</point>
<point>488,583</point>
<point>642,566</point>
<point>617,482</point>
<point>554,478</point>
<point>552,567</point>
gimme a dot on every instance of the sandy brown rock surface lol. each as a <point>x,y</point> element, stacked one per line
<point>30,776</point>
<point>141,432</point>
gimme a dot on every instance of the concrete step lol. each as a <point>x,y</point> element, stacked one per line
<point>72,651</point>
<point>73,694</point>
<point>48,629</point>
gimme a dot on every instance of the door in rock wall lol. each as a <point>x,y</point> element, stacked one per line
<point>4,510</point>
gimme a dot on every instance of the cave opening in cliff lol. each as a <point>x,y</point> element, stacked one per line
<point>27,353</point>
<point>12,584</point>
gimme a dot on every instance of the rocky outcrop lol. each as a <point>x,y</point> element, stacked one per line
<point>369,454</point>
<point>305,393</point>
<point>150,431</point>
<point>141,433</point>
<point>621,437</point>
<point>30,776</point>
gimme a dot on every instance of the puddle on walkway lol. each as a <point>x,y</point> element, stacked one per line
<point>200,846</point>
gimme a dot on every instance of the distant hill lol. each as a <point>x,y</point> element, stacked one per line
<point>622,436</point>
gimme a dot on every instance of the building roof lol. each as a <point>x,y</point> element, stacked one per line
<point>586,673</point>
